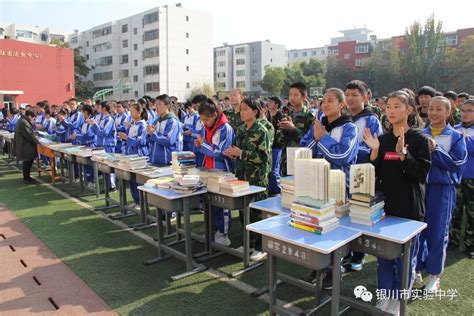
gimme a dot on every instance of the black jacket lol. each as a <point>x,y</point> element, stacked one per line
<point>403,182</point>
<point>25,141</point>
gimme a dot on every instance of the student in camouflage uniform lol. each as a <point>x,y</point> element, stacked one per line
<point>299,120</point>
<point>274,115</point>
<point>462,230</point>
<point>252,150</point>
<point>233,114</point>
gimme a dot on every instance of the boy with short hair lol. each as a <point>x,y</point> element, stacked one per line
<point>424,97</point>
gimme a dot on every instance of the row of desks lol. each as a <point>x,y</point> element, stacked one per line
<point>389,239</point>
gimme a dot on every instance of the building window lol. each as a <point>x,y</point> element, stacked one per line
<point>87,57</point>
<point>240,73</point>
<point>295,54</point>
<point>254,72</point>
<point>359,62</point>
<point>135,62</point>
<point>221,75</point>
<point>347,56</point>
<point>187,51</point>
<point>188,85</point>
<point>323,52</point>
<point>151,70</point>
<point>152,86</point>
<point>135,94</point>
<point>271,60</point>
<point>135,31</point>
<point>314,53</point>
<point>221,53</point>
<point>104,61</point>
<point>150,18</point>
<point>451,40</point>
<point>254,61</point>
<point>101,76</point>
<point>187,68</point>
<point>135,46</point>
<point>220,85</point>
<point>240,84</point>
<point>73,40</point>
<point>124,73</point>
<point>87,43</point>
<point>101,47</point>
<point>362,49</point>
<point>240,61</point>
<point>125,28</point>
<point>255,83</point>
<point>150,35</point>
<point>187,18</point>
<point>221,64</point>
<point>151,52</point>
<point>124,43</point>
<point>240,51</point>
<point>187,35</point>
<point>305,54</point>
<point>333,51</point>
<point>124,59</point>
<point>102,32</point>
<point>135,78</point>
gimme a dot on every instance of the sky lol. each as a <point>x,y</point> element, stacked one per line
<point>296,24</point>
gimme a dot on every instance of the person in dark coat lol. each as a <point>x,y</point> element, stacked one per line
<point>24,144</point>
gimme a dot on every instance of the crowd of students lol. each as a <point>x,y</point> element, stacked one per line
<point>422,146</point>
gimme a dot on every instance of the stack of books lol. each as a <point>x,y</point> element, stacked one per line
<point>133,162</point>
<point>366,209</point>
<point>182,162</point>
<point>161,183</point>
<point>234,186</point>
<point>313,216</point>
<point>287,191</point>
<point>214,180</point>
<point>366,205</point>
<point>189,180</point>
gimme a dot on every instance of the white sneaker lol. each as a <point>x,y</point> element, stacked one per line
<point>136,206</point>
<point>383,305</point>
<point>393,307</point>
<point>91,185</point>
<point>418,278</point>
<point>221,239</point>
<point>258,255</point>
<point>432,285</point>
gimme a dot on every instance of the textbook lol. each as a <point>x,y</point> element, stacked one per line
<point>317,231</point>
<point>362,179</point>
<point>234,186</point>
<point>162,183</point>
<point>337,186</point>
<point>293,153</point>
<point>182,162</point>
<point>287,191</point>
<point>367,209</point>
<point>365,199</point>
<point>312,178</point>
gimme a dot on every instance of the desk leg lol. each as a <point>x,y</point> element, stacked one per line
<point>160,240</point>
<point>405,274</point>
<point>96,180</point>
<point>106,195</point>
<point>272,280</point>
<point>336,281</point>
<point>61,166</point>
<point>52,163</point>
<point>81,177</point>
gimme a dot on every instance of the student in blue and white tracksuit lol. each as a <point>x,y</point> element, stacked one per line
<point>448,157</point>
<point>216,137</point>
<point>190,123</point>
<point>106,133</point>
<point>74,120</point>
<point>60,130</point>
<point>150,110</point>
<point>335,137</point>
<point>12,119</point>
<point>84,136</point>
<point>356,93</point>
<point>120,118</point>
<point>166,135</point>
<point>49,122</point>
<point>135,141</point>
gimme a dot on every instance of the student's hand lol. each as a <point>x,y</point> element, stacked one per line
<point>198,141</point>
<point>150,129</point>
<point>233,152</point>
<point>286,124</point>
<point>127,124</point>
<point>401,141</point>
<point>371,140</point>
<point>60,117</point>
<point>73,136</point>
<point>464,133</point>
<point>432,144</point>
<point>90,121</point>
<point>187,133</point>
<point>319,130</point>
<point>122,135</point>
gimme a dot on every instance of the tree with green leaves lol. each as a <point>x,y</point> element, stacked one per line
<point>273,80</point>
<point>460,62</point>
<point>338,74</point>
<point>425,53</point>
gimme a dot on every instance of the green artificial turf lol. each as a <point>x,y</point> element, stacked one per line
<point>110,259</point>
